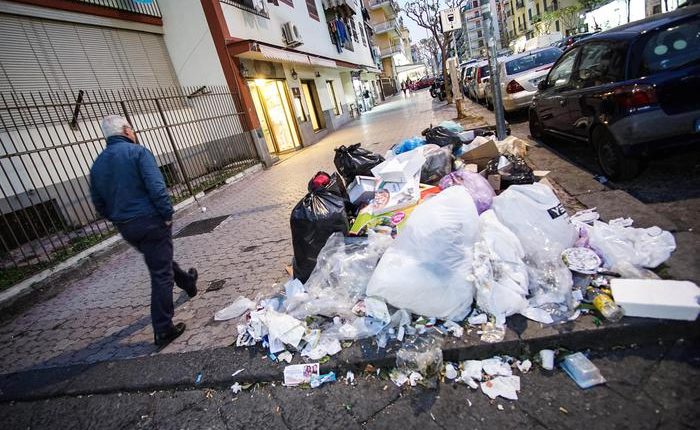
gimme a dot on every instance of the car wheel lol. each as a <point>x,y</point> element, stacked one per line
<point>536,130</point>
<point>611,159</point>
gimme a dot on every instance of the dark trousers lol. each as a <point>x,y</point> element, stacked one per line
<point>154,240</point>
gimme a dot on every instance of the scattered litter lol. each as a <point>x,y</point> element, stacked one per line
<point>318,380</point>
<point>453,328</point>
<point>237,372</point>
<point>397,377</point>
<point>236,388</point>
<point>524,366</point>
<point>677,300</point>
<point>198,378</point>
<point>300,373</point>
<point>478,319</point>
<point>496,366</point>
<point>469,402</point>
<point>350,377</point>
<point>547,358</point>
<point>582,370</point>
<point>285,356</point>
<point>499,407</point>
<point>563,410</point>
<point>503,386</point>
<point>450,371</point>
<point>240,306</point>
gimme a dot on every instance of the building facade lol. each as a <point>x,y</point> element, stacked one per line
<point>391,41</point>
<point>470,42</point>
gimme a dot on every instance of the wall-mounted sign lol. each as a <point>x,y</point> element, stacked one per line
<point>450,19</point>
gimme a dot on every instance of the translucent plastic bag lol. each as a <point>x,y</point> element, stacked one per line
<point>477,186</point>
<point>343,269</point>
<point>423,355</point>
<point>500,274</point>
<point>642,247</point>
<point>426,269</point>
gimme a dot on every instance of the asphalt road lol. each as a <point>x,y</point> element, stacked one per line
<point>670,184</point>
<point>648,388</point>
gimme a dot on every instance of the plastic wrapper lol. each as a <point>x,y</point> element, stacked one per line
<point>441,136</point>
<point>500,274</point>
<point>426,269</point>
<point>340,278</point>
<point>408,144</point>
<point>478,187</point>
<point>535,215</point>
<point>512,169</point>
<point>318,215</point>
<point>582,370</point>
<point>438,163</point>
<point>642,247</point>
<point>422,355</point>
<point>451,126</point>
<point>353,160</point>
<point>239,306</point>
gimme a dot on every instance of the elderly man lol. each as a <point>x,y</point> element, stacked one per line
<point>128,189</point>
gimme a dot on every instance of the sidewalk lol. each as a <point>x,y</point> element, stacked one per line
<point>104,314</point>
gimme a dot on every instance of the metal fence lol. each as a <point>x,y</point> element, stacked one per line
<point>48,142</point>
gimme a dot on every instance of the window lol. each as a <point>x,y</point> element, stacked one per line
<point>556,24</point>
<point>537,7</point>
<point>313,10</point>
<point>531,61</point>
<point>529,13</point>
<point>337,109</point>
<point>561,73</point>
<point>600,64</point>
<point>667,49</point>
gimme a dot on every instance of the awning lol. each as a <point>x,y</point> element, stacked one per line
<point>284,56</point>
<point>322,62</point>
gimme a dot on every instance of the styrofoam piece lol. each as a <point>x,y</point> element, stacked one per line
<point>654,298</point>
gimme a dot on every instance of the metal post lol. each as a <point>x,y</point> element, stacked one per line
<point>177,153</point>
<point>495,80</point>
<point>74,121</point>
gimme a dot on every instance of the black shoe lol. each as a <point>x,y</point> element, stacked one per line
<point>163,339</point>
<point>192,291</point>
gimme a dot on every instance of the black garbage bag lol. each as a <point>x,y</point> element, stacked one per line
<point>318,215</point>
<point>352,161</point>
<point>515,172</point>
<point>441,136</point>
<point>438,163</point>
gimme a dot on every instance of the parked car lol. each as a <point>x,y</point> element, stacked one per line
<point>421,83</point>
<point>465,69</point>
<point>566,42</point>
<point>630,91</point>
<point>519,75</point>
<point>478,81</point>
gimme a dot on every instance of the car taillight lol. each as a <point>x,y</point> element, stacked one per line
<point>635,96</point>
<point>514,87</point>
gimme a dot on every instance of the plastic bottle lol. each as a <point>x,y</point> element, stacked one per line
<point>605,305</point>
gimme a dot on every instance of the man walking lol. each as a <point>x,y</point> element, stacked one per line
<point>128,189</point>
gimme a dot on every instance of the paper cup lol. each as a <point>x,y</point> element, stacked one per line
<point>547,357</point>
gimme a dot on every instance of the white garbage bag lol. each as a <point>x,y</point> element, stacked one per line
<point>500,274</point>
<point>540,221</point>
<point>426,269</point>
<point>641,247</point>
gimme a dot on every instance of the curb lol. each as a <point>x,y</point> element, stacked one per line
<point>12,294</point>
<point>146,374</point>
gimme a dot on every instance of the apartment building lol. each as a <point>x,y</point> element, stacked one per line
<point>470,40</point>
<point>391,40</point>
<point>212,86</point>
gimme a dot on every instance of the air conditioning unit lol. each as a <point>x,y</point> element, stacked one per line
<point>291,34</point>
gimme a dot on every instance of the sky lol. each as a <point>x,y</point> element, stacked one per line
<point>417,33</point>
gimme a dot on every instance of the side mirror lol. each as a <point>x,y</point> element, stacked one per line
<point>542,85</point>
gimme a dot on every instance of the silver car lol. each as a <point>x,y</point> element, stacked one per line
<point>519,75</point>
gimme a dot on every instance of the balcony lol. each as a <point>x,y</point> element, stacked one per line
<point>256,7</point>
<point>387,26</point>
<point>391,8</point>
<point>150,9</point>
<point>390,50</point>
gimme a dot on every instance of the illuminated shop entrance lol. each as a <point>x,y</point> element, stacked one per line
<point>274,111</point>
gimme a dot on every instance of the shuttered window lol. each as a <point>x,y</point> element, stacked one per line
<point>313,10</point>
<point>38,55</point>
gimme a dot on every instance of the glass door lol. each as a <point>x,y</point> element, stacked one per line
<point>272,104</point>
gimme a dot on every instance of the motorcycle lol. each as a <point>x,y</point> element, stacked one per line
<point>437,90</point>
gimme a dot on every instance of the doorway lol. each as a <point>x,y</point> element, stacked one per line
<point>274,111</point>
<point>318,122</point>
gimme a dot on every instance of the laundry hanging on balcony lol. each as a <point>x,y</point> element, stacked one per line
<point>339,33</point>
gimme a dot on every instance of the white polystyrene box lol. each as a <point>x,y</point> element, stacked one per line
<point>656,298</point>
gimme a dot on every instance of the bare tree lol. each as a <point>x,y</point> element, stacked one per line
<point>428,50</point>
<point>426,13</point>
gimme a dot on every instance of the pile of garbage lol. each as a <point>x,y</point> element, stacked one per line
<point>445,229</point>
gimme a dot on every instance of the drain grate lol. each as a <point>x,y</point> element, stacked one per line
<point>201,226</point>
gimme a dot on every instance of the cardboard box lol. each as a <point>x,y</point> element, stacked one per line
<point>482,154</point>
<point>656,298</point>
<point>361,189</point>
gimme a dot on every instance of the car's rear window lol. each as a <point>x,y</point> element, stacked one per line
<point>668,49</point>
<point>531,61</point>
<point>484,71</point>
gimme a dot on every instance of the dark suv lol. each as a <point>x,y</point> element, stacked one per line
<point>629,91</point>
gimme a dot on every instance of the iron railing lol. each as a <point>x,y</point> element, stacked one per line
<point>257,7</point>
<point>49,140</point>
<point>149,8</point>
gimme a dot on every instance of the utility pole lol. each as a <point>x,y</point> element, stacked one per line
<point>492,53</point>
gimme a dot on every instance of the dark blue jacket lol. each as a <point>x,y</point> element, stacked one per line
<point>125,183</point>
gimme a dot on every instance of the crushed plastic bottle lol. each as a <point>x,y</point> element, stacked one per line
<point>605,305</point>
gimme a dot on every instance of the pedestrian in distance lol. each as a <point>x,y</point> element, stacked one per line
<point>128,189</point>
<point>403,88</point>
